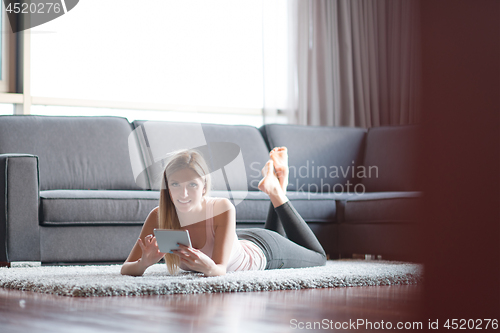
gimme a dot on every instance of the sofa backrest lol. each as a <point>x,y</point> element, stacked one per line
<point>158,139</point>
<point>321,158</point>
<point>74,152</point>
<point>391,158</point>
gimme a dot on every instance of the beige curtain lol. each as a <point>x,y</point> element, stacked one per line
<point>353,62</point>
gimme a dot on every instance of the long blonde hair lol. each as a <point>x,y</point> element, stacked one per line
<point>167,217</point>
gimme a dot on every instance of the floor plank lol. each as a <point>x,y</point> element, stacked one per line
<point>275,311</point>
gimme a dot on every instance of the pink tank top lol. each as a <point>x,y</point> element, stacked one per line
<point>245,255</point>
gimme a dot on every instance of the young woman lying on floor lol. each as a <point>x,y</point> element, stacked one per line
<point>217,246</point>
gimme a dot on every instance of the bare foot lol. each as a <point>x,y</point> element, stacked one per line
<point>270,182</point>
<point>271,185</point>
<point>279,155</point>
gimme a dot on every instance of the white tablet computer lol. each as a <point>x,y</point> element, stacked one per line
<point>167,239</point>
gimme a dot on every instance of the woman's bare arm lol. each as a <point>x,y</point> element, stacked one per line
<point>145,251</point>
<point>225,233</point>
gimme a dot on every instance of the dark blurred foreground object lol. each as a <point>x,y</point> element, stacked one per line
<point>460,158</point>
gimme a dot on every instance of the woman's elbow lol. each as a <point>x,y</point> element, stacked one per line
<point>127,269</point>
<point>123,270</point>
<point>219,270</point>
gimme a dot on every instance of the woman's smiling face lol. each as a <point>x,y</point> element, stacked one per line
<point>186,189</point>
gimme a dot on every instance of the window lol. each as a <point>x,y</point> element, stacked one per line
<point>131,115</point>
<point>196,53</point>
<point>7,55</point>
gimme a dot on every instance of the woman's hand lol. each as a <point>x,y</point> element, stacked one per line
<point>195,260</point>
<point>150,252</point>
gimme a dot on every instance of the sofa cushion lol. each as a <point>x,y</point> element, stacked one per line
<point>321,159</point>
<point>391,156</point>
<point>83,207</point>
<point>253,149</point>
<point>73,152</point>
<point>158,139</point>
<point>381,207</point>
<point>320,207</point>
<point>86,244</point>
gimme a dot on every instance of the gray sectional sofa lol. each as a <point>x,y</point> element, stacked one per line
<point>77,189</point>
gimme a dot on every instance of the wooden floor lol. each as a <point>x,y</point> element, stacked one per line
<point>276,311</point>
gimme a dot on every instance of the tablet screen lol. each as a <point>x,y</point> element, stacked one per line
<point>167,239</point>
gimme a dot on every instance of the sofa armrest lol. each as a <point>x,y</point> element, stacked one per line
<point>19,201</point>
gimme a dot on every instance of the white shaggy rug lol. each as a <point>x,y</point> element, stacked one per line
<point>107,281</point>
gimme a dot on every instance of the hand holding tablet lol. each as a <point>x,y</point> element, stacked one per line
<point>167,239</point>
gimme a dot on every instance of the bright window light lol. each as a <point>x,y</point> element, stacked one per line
<point>131,115</point>
<point>189,52</point>
<point>6,109</point>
